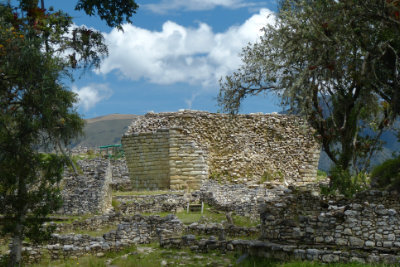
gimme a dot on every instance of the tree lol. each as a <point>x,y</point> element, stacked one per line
<point>38,50</point>
<point>336,63</point>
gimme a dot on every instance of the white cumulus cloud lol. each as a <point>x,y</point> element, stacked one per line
<point>92,94</point>
<point>180,54</point>
<point>166,5</point>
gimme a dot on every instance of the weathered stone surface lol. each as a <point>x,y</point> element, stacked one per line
<point>89,191</point>
<point>328,220</point>
<point>181,149</point>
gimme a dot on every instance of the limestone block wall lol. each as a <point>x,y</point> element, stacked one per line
<point>148,159</point>
<point>187,162</point>
<point>225,147</point>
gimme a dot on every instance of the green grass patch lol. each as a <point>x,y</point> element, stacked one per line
<point>141,193</point>
<point>171,257</point>
<point>209,215</point>
<point>151,255</point>
<point>68,219</point>
<point>87,261</point>
<point>249,261</point>
<point>115,204</point>
<point>3,247</point>
<point>321,175</point>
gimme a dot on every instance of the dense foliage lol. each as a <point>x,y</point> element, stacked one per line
<point>387,175</point>
<point>38,50</point>
<point>336,63</point>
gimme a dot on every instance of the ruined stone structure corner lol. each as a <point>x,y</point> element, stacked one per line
<point>180,150</point>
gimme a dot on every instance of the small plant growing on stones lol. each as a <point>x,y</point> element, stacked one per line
<point>269,175</point>
<point>345,182</point>
<point>116,205</point>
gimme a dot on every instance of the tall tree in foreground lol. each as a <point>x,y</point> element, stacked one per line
<point>38,50</point>
<point>336,63</point>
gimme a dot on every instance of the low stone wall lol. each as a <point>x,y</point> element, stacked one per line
<point>369,223</point>
<point>132,230</point>
<point>239,198</point>
<point>277,251</point>
<point>171,202</point>
<point>220,230</point>
<point>201,145</point>
<point>89,191</point>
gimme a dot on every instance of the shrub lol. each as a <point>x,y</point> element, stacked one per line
<point>343,182</point>
<point>387,175</point>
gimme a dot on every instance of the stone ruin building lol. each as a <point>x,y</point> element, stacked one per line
<point>184,149</point>
<point>179,150</point>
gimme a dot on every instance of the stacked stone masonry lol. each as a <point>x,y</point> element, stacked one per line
<point>369,224</point>
<point>179,150</point>
<point>89,191</point>
<point>120,175</point>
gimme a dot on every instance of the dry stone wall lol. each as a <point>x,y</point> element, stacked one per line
<point>367,225</point>
<point>89,191</point>
<point>200,145</point>
<point>120,175</point>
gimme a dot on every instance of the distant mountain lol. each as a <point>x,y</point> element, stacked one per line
<point>104,130</point>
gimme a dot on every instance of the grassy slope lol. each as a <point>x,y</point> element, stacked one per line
<point>105,130</point>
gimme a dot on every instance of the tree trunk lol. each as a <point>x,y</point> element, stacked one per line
<point>16,247</point>
<point>67,157</point>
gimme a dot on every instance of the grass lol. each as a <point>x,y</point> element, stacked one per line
<point>3,247</point>
<point>90,261</point>
<point>210,216</point>
<point>151,255</point>
<point>387,174</point>
<point>172,257</point>
<point>141,193</point>
<point>68,219</point>
<point>256,261</point>
<point>115,204</point>
<point>321,175</point>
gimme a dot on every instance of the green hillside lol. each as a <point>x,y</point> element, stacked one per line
<point>105,130</point>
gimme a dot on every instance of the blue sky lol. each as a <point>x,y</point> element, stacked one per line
<point>171,57</point>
